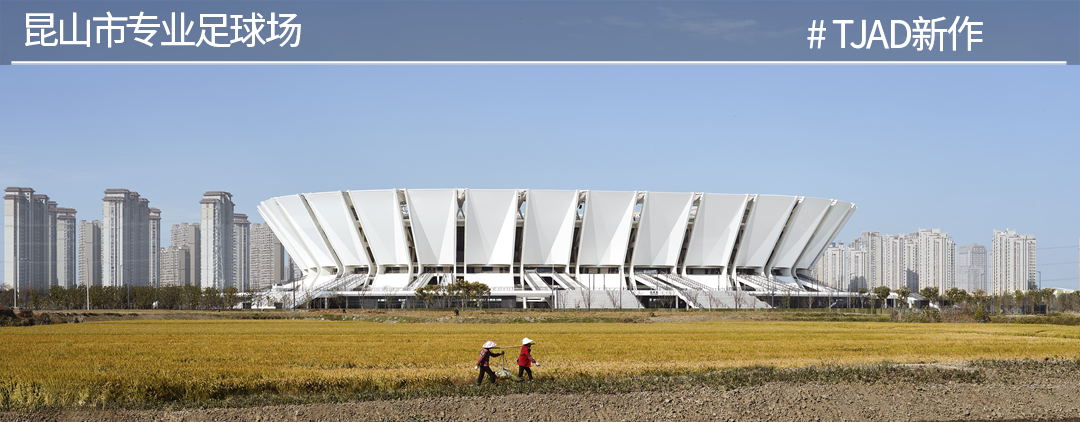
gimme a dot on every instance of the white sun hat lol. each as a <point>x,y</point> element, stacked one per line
<point>526,340</point>
<point>489,344</point>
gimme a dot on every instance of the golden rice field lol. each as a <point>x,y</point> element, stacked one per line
<point>103,363</point>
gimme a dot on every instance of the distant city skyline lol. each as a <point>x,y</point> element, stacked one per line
<point>53,249</point>
<point>830,131</point>
<point>916,260</point>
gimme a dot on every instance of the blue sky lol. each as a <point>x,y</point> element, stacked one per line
<point>968,149</point>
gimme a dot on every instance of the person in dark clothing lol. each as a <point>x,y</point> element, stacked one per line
<point>525,359</point>
<point>482,363</point>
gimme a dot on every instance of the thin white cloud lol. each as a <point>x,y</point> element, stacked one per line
<point>701,23</point>
<point>669,19</point>
<point>753,36</point>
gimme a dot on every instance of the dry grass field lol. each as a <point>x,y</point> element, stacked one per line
<point>149,362</point>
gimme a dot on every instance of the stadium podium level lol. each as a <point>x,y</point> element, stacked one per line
<point>555,248</point>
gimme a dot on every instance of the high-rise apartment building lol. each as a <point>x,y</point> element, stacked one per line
<point>66,247</point>
<point>892,261</point>
<point>936,265</point>
<point>180,261</point>
<point>30,241</point>
<point>268,263</point>
<point>216,239</point>
<point>911,259</point>
<point>971,267</point>
<point>294,272</point>
<point>189,238</point>
<point>175,266</point>
<point>831,268</point>
<point>125,239</point>
<point>89,253</point>
<point>856,268</point>
<point>49,243</point>
<point>874,271</point>
<point>154,243</point>
<point>19,223</point>
<point>1011,263</point>
<point>161,268</point>
<point>889,260</point>
<point>241,244</point>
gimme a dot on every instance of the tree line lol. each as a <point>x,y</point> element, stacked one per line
<point>125,297</point>
<point>1019,302</point>
<point>463,292</point>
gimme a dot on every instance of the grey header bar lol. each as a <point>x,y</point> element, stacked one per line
<point>539,32</point>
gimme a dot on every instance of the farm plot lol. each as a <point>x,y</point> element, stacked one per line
<point>147,363</point>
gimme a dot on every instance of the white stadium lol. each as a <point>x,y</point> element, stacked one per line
<point>555,248</point>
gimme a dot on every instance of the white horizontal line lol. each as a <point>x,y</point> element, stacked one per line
<point>377,63</point>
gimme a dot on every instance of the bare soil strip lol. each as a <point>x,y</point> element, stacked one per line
<point>1025,391</point>
<point>778,402</point>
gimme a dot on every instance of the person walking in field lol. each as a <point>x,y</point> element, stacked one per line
<point>525,359</point>
<point>482,363</point>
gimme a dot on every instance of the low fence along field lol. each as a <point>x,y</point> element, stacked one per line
<point>146,363</point>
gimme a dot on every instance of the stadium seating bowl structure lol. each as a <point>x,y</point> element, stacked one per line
<point>552,248</point>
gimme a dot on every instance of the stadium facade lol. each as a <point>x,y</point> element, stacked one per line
<point>553,248</point>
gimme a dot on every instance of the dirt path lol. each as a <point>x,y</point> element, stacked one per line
<point>1054,401</point>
